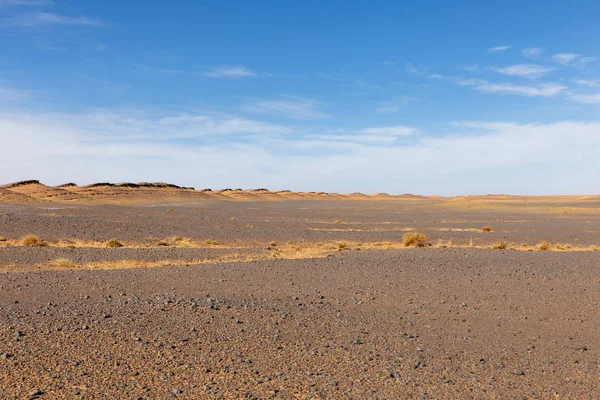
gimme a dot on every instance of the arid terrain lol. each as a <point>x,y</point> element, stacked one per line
<point>152,291</point>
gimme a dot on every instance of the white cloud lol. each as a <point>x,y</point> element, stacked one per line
<point>471,68</point>
<point>477,158</point>
<point>585,98</point>
<point>564,58</point>
<point>543,90</point>
<point>46,19</point>
<point>499,48</point>
<point>289,107</point>
<point>532,52</point>
<point>30,3</point>
<point>391,131</point>
<point>394,106</point>
<point>230,72</point>
<point>524,70</point>
<point>582,62</point>
<point>586,82</point>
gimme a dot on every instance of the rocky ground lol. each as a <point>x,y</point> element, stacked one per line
<point>423,323</point>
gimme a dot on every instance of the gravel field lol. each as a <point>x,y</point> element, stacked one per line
<point>422,323</point>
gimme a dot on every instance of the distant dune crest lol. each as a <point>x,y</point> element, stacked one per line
<point>148,192</point>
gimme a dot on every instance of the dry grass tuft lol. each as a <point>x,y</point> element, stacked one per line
<point>341,245</point>
<point>414,239</point>
<point>62,263</point>
<point>486,229</point>
<point>560,246</point>
<point>337,221</point>
<point>2,239</point>
<point>114,243</point>
<point>233,218</point>
<point>544,246</point>
<point>500,245</point>
<point>211,242</point>
<point>31,240</point>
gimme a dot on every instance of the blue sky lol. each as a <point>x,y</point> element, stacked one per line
<point>375,96</point>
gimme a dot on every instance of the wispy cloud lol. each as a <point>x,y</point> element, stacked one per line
<point>292,107</point>
<point>470,68</point>
<point>394,106</point>
<point>41,19</point>
<point>524,70</point>
<point>390,131</point>
<point>84,150</point>
<point>499,48</point>
<point>564,58</point>
<point>586,82</point>
<point>29,3</point>
<point>532,52</point>
<point>582,62</point>
<point>543,90</point>
<point>230,72</point>
<point>585,98</point>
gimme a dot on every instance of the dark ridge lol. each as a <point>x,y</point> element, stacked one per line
<point>127,184</point>
<point>202,190</point>
<point>22,183</point>
<point>66,185</point>
<point>283,191</point>
<point>93,185</point>
<point>259,190</point>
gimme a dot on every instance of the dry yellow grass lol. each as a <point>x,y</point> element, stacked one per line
<point>560,246</point>
<point>414,239</point>
<point>114,243</point>
<point>337,221</point>
<point>544,246</point>
<point>211,242</point>
<point>31,240</point>
<point>486,229</point>
<point>500,245</point>
<point>62,263</point>
<point>2,239</point>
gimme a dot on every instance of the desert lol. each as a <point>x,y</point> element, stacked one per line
<point>152,291</point>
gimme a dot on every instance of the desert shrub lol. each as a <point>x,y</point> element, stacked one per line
<point>486,229</point>
<point>114,243</point>
<point>342,245</point>
<point>62,263</point>
<point>163,243</point>
<point>414,239</point>
<point>544,246</point>
<point>233,218</point>
<point>337,221</point>
<point>2,239</point>
<point>500,245</point>
<point>211,242</point>
<point>31,240</point>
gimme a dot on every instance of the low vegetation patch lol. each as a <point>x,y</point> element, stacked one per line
<point>2,239</point>
<point>560,246</point>
<point>337,221</point>
<point>486,229</point>
<point>544,246</point>
<point>211,242</point>
<point>31,240</point>
<point>114,243</point>
<point>414,239</point>
<point>62,263</point>
<point>500,245</point>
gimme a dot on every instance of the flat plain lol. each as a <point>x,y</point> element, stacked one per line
<point>304,298</point>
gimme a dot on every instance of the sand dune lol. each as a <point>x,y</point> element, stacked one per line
<point>146,192</point>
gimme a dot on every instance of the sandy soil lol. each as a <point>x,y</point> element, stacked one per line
<point>381,322</point>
